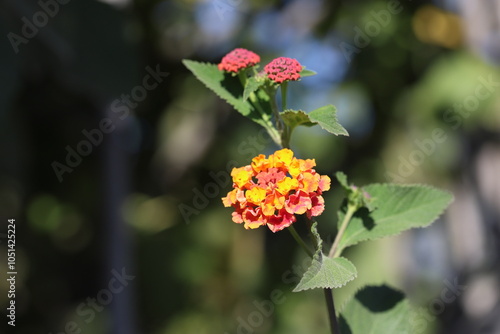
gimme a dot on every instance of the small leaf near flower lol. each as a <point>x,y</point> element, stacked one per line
<point>306,73</point>
<point>324,271</point>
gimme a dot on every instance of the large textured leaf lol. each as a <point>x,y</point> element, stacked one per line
<point>399,208</point>
<point>326,272</point>
<point>376,310</point>
<point>226,87</point>
<point>326,117</point>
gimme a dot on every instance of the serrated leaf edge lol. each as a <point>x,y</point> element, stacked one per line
<point>187,61</point>
<point>317,254</point>
<point>325,286</point>
<point>343,131</point>
<point>416,227</point>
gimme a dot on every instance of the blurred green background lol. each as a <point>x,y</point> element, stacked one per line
<point>416,84</point>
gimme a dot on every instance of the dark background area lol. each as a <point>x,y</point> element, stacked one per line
<point>416,84</point>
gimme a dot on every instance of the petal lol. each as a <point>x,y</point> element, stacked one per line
<point>278,222</point>
<point>255,195</point>
<point>318,206</point>
<point>310,182</point>
<point>283,157</point>
<point>240,196</point>
<point>294,168</point>
<point>253,218</point>
<point>268,207</point>
<point>279,201</point>
<point>298,203</point>
<point>274,201</point>
<point>230,199</point>
<point>324,183</point>
<point>287,184</point>
<point>241,176</point>
<point>307,165</point>
<point>260,163</point>
<point>236,216</point>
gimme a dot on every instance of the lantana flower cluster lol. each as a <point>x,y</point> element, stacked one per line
<point>283,69</point>
<point>238,59</point>
<point>272,191</point>
<point>278,70</point>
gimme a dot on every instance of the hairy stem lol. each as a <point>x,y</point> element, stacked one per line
<point>334,252</point>
<point>299,240</point>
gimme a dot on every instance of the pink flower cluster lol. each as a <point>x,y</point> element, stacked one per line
<point>283,69</point>
<point>238,59</point>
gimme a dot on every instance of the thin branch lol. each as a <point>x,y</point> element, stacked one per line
<point>334,325</point>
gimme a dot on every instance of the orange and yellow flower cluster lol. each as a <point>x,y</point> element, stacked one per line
<point>271,191</point>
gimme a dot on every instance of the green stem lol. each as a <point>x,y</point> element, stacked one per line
<point>299,240</point>
<point>273,133</point>
<point>283,129</point>
<point>266,118</point>
<point>334,325</point>
<point>334,252</point>
<point>310,223</point>
<point>285,136</point>
<point>276,111</point>
<point>242,75</point>
<point>284,87</point>
<point>287,132</point>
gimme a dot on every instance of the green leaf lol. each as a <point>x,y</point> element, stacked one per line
<point>342,178</point>
<point>306,73</point>
<point>228,88</point>
<point>376,310</point>
<point>326,117</point>
<point>326,272</point>
<point>251,86</point>
<point>399,208</point>
<point>294,118</point>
